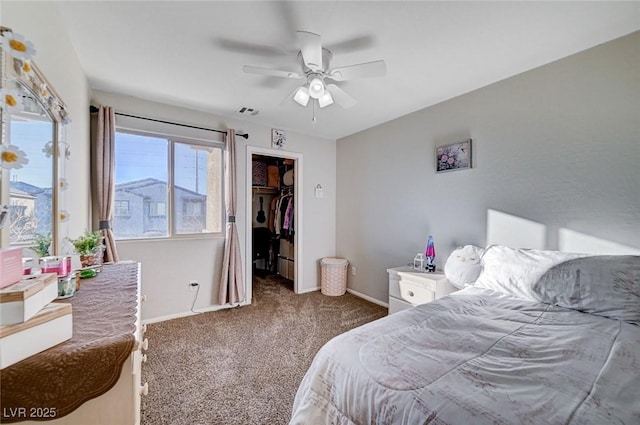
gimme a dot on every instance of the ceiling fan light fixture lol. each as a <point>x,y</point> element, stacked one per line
<point>316,88</point>
<point>302,96</point>
<point>325,99</point>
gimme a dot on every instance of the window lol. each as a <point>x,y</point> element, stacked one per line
<point>166,186</point>
<point>157,209</point>
<point>193,208</point>
<point>121,208</point>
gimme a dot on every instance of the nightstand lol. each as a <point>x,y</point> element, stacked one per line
<point>409,287</point>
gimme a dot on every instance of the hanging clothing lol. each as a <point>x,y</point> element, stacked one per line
<point>272,215</point>
<point>288,215</point>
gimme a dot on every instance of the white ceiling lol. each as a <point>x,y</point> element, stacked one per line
<point>191,53</point>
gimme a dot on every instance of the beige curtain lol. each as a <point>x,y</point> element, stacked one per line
<point>231,281</point>
<point>103,136</point>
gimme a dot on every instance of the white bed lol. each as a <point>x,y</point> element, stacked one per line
<point>494,352</point>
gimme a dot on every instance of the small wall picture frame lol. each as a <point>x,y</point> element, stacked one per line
<point>278,138</point>
<point>455,156</point>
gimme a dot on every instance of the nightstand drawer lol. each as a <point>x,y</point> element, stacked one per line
<point>426,280</point>
<point>417,293</point>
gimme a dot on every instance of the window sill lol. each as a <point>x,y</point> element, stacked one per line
<point>173,238</point>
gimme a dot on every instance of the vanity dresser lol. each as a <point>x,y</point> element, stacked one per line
<point>93,378</point>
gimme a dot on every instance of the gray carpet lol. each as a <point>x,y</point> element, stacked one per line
<point>243,365</point>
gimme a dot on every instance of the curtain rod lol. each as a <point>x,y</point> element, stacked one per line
<point>94,109</point>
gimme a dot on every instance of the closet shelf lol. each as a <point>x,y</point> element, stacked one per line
<point>264,189</point>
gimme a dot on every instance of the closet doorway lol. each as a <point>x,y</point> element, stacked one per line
<point>274,216</point>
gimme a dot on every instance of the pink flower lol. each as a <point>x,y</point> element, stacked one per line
<point>450,161</point>
<point>443,158</point>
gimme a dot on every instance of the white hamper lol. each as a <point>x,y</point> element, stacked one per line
<point>333,276</point>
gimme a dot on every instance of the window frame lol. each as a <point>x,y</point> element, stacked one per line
<point>115,208</point>
<point>172,139</point>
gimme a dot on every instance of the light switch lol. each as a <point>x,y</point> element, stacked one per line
<point>319,192</point>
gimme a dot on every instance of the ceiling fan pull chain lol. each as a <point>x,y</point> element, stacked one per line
<point>313,101</point>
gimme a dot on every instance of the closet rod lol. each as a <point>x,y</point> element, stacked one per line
<point>94,109</point>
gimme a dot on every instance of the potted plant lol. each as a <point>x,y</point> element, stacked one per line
<point>42,245</point>
<point>89,246</point>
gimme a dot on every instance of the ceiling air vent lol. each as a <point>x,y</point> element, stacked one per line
<point>247,111</point>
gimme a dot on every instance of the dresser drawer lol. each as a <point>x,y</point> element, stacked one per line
<point>417,293</point>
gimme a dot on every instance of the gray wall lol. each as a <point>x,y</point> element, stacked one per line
<point>169,265</point>
<point>558,145</point>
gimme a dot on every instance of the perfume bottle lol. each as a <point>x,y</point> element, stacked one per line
<point>430,254</point>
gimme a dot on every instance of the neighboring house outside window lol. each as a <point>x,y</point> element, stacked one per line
<point>157,209</point>
<point>196,204</point>
<point>29,211</point>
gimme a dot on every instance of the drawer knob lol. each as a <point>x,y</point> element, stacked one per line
<point>144,389</point>
<point>145,344</point>
<point>410,293</point>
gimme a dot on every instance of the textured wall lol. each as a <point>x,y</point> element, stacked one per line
<point>558,146</point>
<point>40,23</point>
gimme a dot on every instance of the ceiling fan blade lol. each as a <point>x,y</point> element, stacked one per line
<point>262,50</point>
<point>352,44</point>
<point>340,96</point>
<point>362,70</point>
<point>311,49</point>
<point>270,72</point>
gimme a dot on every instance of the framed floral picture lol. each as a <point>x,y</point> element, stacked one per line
<point>278,138</point>
<point>456,156</point>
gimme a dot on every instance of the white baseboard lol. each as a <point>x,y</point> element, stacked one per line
<point>351,291</point>
<point>226,306</point>
<point>191,313</point>
<point>368,298</point>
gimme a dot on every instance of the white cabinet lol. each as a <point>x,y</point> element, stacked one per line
<point>121,404</point>
<point>409,287</point>
<point>286,259</point>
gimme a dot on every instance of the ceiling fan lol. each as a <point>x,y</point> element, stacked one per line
<point>320,77</point>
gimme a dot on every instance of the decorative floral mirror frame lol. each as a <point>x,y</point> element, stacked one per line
<point>23,84</point>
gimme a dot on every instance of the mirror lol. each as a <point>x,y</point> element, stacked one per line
<point>32,116</point>
<point>31,188</point>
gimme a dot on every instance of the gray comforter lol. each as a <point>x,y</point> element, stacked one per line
<point>477,357</point>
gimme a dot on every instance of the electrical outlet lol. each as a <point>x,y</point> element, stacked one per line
<point>354,271</point>
<point>193,285</point>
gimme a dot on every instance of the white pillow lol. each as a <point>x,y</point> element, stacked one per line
<point>463,266</point>
<point>515,271</point>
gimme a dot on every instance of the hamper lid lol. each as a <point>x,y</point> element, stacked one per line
<point>330,261</point>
